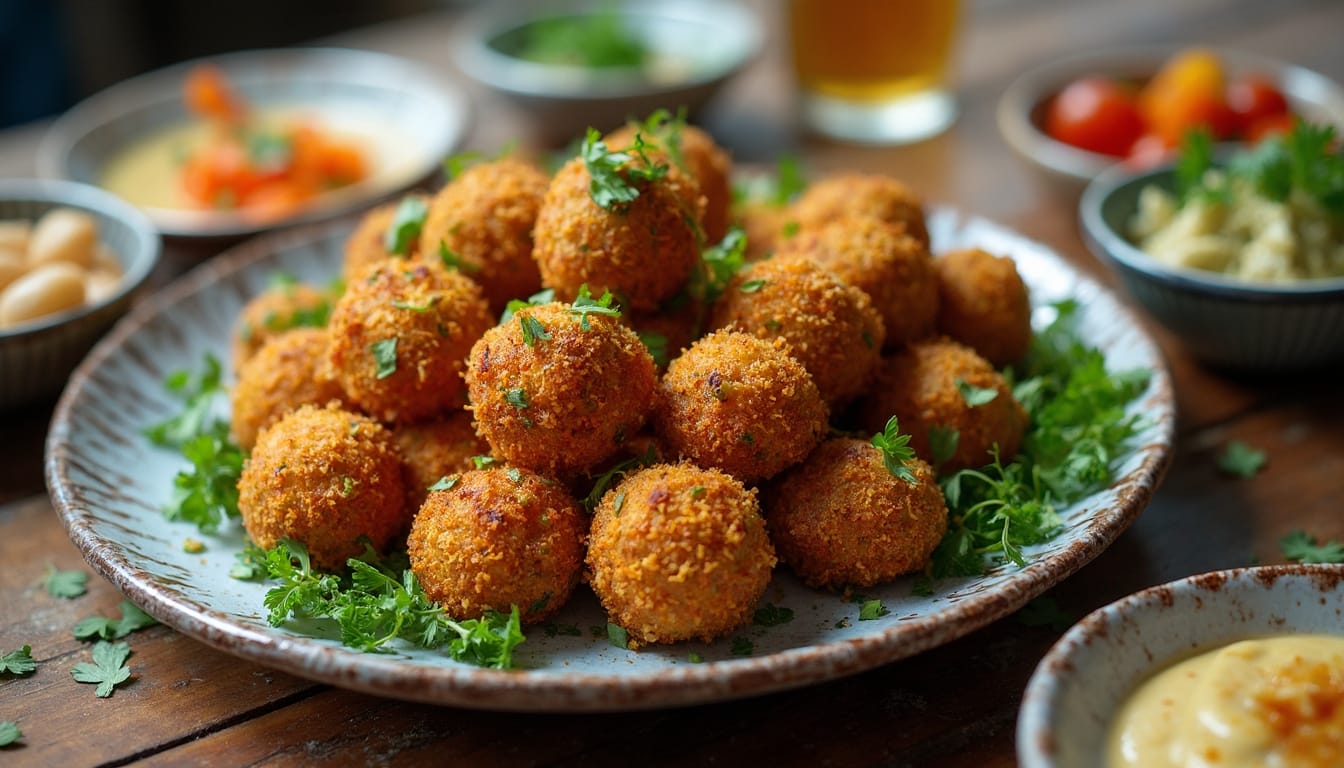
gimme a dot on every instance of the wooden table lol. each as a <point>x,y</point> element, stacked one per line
<point>956,705</point>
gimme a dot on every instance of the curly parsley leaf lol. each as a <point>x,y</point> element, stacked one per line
<point>585,305</point>
<point>9,733</point>
<point>1241,460</point>
<point>1306,160</point>
<point>533,330</point>
<point>207,494</point>
<point>535,300</point>
<point>108,669</point>
<point>250,563</point>
<point>18,662</point>
<point>406,224</point>
<point>743,646</point>
<point>1302,547</point>
<point>376,605</point>
<point>198,392</point>
<point>444,483</point>
<point>896,451</point>
<point>613,177</point>
<point>66,584</point>
<point>132,619</point>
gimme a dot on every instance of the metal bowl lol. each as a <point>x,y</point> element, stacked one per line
<point>1022,107</point>
<point>411,119</point>
<point>706,41</point>
<point>1223,321</point>
<point>37,357</point>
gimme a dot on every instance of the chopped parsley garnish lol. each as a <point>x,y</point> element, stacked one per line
<point>789,180</point>
<point>406,225</point>
<point>599,39</point>
<point>604,482</point>
<point>666,128</point>
<point>974,396</point>
<point>108,669</point>
<point>871,610</point>
<point>516,475</point>
<point>417,308</point>
<point>772,615</point>
<point>9,732</point>
<point>198,392</point>
<point>67,584</point>
<point>1044,611</point>
<point>533,330</point>
<point>612,176</point>
<point>132,619</point>
<point>18,662</point>
<point>1241,460</point>
<point>695,658</point>
<point>743,646</point>
<point>719,263</point>
<point>535,300</point>
<point>1194,160</point>
<point>516,396</point>
<point>656,343</point>
<point>444,483</point>
<point>384,357</point>
<point>617,636</point>
<point>1305,160</point>
<point>752,286</point>
<point>943,442</point>
<point>250,563</point>
<point>616,504</point>
<point>896,451</point>
<point>1078,427</point>
<point>483,462</point>
<point>1302,547</point>
<point>374,606</point>
<point>584,305</point>
<point>452,260</point>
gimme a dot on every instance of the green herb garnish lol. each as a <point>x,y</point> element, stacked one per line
<point>1241,460</point>
<point>603,482</point>
<point>872,610</point>
<point>772,615</point>
<point>406,225</point>
<point>718,265</point>
<point>617,636</point>
<point>584,305</point>
<point>384,357</point>
<point>108,669</point>
<point>656,343</point>
<point>598,40</point>
<point>452,260</point>
<point>535,300</point>
<point>743,646</point>
<point>1302,547</point>
<point>612,177</point>
<point>198,392</point>
<point>9,733</point>
<point>132,619</point>
<point>1306,160</point>
<point>444,483</point>
<point>18,662</point>
<point>943,442</point>
<point>67,584</point>
<point>974,396</point>
<point>896,451</point>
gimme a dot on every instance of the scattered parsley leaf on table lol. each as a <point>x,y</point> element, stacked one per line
<point>9,733</point>
<point>19,662</point>
<point>1044,611</point>
<point>132,619</point>
<point>1302,547</point>
<point>108,669</point>
<point>1241,460</point>
<point>67,584</point>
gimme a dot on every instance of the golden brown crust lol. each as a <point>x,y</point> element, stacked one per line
<point>919,386</point>
<point>643,254</point>
<point>288,371</point>
<point>490,542</point>
<point>484,218</point>
<point>272,312</point>
<point>831,327</point>
<point>860,194</point>
<point>983,304</point>
<point>677,553</point>
<point>707,163</point>
<point>586,391</point>
<point>432,449</point>
<point>894,269</point>
<point>766,225</point>
<point>842,520</point>
<point>433,314</point>
<point>368,243</point>
<point>324,477</point>
<point>740,404</point>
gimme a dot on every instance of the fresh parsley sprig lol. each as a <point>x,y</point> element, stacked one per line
<point>376,605</point>
<point>1306,160</point>
<point>585,305</point>
<point>719,264</point>
<point>613,176</point>
<point>108,668</point>
<point>198,393</point>
<point>896,451</point>
<point>407,222</point>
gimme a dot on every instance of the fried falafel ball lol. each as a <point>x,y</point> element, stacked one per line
<point>481,224</point>
<point>554,396</point>
<point>432,450</point>
<point>932,385</point>
<point>677,553</point>
<point>368,243</point>
<point>642,251</point>
<point>860,194</point>
<point>767,227</point>
<point>740,404</point>
<point>325,477</point>
<point>841,519</point>
<point>284,305</point>
<point>497,538</point>
<point>983,304</point>
<point>832,327</point>
<point>400,338</point>
<point>288,371</point>
<point>894,269</point>
<point>695,152</point>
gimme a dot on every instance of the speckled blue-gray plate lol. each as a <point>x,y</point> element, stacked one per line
<point>108,485</point>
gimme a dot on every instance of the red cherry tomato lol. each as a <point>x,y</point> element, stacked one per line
<point>1095,114</point>
<point>1253,97</point>
<point>1269,125</point>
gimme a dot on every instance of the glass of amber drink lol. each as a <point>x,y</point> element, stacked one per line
<point>874,71</point>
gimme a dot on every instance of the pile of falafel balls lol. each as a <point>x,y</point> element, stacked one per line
<point>364,424</point>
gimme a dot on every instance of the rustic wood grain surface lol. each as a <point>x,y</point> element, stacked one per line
<point>954,706</point>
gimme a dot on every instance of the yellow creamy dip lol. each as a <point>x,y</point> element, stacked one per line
<point>1276,702</point>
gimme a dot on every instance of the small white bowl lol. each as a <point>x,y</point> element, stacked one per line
<point>1022,107</point>
<point>37,357</point>
<point>1079,686</point>
<point>411,118</point>
<point>714,38</point>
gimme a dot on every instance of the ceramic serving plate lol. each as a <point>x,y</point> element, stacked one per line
<point>108,485</point>
<point>1080,684</point>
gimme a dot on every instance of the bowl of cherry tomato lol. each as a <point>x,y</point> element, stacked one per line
<point>1075,117</point>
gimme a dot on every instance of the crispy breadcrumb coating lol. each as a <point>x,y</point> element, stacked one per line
<point>281,307</point>
<point>288,371</point>
<point>434,449</point>
<point>983,304</point>
<point>861,194</point>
